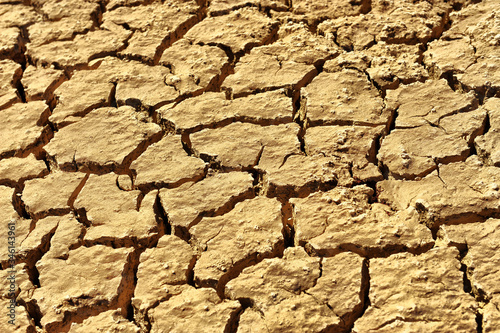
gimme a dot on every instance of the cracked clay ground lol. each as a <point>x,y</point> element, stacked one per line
<point>241,166</point>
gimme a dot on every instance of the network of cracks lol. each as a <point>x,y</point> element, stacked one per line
<point>250,166</point>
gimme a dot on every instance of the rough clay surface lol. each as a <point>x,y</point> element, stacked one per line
<point>244,166</point>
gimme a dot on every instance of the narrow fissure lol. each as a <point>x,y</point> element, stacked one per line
<point>288,229</point>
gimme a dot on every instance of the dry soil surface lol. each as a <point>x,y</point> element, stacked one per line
<point>242,166</point>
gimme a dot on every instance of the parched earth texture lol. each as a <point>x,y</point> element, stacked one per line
<point>250,165</point>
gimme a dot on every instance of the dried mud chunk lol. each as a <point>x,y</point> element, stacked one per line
<point>81,50</point>
<point>163,271</point>
<point>40,83</point>
<point>10,73</point>
<point>37,242</point>
<point>341,286</point>
<point>85,91</point>
<point>461,192</point>
<point>445,56</point>
<point>212,109</point>
<point>16,15</point>
<point>108,321</point>
<point>418,293</point>
<point>66,237</point>
<point>128,82</point>
<point>62,20</point>
<point>392,64</point>
<point>113,214</point>
<point>135,82</point>
<point>280,290</point>
<point>155,25</point>
<point>185,204</point>
<point>10,43</point>
<point>343,219</point>
<point>387,65</point>
<point>479,23</point>
<point>487,144</point>
<point>194,68</point>
<point>316,11</point>
<point>251,321</point>
<point>300,175</point>
<point>468,124</point>
<point>166,163</point>
<point>248,233</point>
<point>259,71</point>
<point>420,104</point>
<point>101,278</point>
<point>287,63</point>
<point>265,146</point>
<point>22,129</point>
<point>105,139</point>
<point>415,152</point>
<point>316,212</point>
<point>12,226</point>
<point>195,310</point>
<point>491,316</point>
<point>52,194</point>
<point>342,98</point>
<point>355,145</point>
<point>15,284</point>
<point>20,320</point>
<point>240,30</point>
<point>482,259</point>
<point>16,170</point>
<point>400,21</point>
<point>482,76</point>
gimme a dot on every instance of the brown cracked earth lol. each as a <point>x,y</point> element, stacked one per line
<point>250,165</point>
